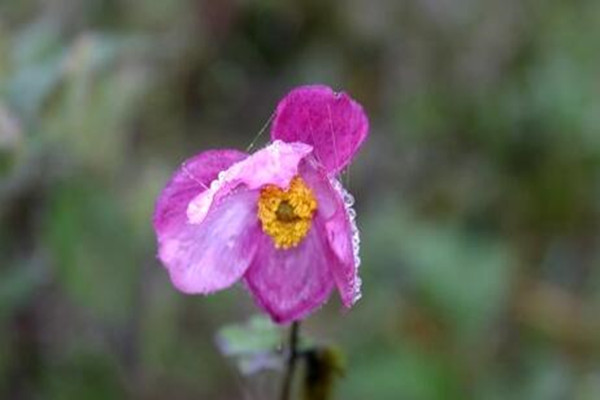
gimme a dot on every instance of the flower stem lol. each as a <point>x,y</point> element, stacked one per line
<point>286,388</point>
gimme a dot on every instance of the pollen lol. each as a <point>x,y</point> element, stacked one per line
<point>286,215</point>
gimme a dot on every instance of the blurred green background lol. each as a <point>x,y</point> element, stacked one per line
<point>478,192</point>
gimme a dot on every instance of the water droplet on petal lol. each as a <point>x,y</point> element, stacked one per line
<point>348,199</point>
<point>351,213</point>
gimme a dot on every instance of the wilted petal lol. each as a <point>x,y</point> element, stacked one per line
<point>203,258</point>
<point>192,178</point>
<point>276,164</point>
<point>289,284</point>
<point>333,123</point>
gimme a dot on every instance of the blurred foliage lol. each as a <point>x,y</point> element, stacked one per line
<point>478,192</point>
<point>255,345</point>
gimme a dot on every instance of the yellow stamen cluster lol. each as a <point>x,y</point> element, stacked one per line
<point>286,215</point>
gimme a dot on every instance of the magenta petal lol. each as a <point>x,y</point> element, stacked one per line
<point>343,237</point>
<point>335,210</point>
<point>203,258</point>
<point>289,284</point>
<point>316,178</point>
<point>192,178</point>
<point>333,123</point>
<point>337,217</point>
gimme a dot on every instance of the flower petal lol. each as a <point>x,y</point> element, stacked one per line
<point>289,284</point>
<point>317,180</point>
<point>343,237</point>
<point>335,210</point>
<point>203,258</point>
<point>181,245</point>
<point>333,123</point>
<point>192,178</point>
<point>275,164</point>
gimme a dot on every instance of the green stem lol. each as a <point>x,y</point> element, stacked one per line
<point>286,388</point>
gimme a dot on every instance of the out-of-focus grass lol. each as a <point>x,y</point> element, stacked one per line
<point>478,192</point>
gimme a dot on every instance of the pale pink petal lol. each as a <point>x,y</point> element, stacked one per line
<point>192,178</point>
<point>276,164</point>
<point>289,284</point>
<point>195,255</point>
<point>203,258</point>
<point>333,123</point>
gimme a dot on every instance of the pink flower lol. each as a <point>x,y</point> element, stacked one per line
<point>278,219</point>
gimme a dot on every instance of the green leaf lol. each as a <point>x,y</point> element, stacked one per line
<point>253,345</point>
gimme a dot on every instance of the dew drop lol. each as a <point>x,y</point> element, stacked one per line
<point>348,199</point>
<point>348,203</point>
<point>351,213</point>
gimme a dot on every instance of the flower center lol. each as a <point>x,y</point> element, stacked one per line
<point>286,215</point>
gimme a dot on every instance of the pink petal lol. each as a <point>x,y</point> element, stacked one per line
<point>343,237</point>
<point>194,176</point>
<point>289,284</point>
<point>316,178</point>
<point>181,245</point>
<point>275,164</point>
<point>333,123</point>
<point>335,210</point>
<point>203,258</point>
